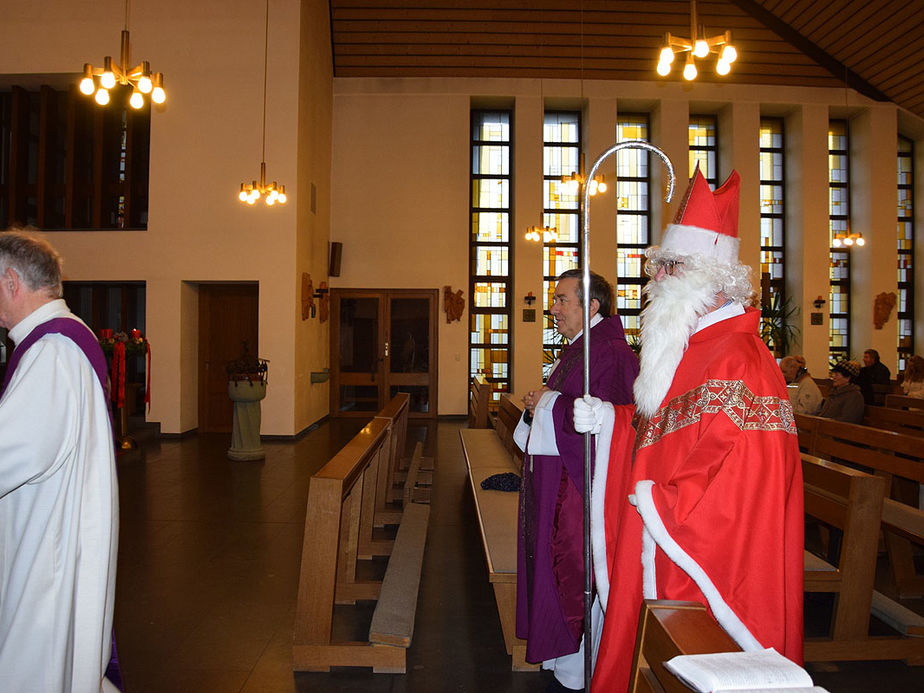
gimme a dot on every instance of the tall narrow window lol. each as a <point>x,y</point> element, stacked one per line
<point>632,221</point>
<point>772,231</point>
<point>704,147</point>
<point>561,211</point>
<point>839,222</point>
<point>67,164</point>
<point>905,251</point>
<point>489,261</point>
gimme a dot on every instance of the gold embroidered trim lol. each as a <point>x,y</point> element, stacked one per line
<point>731,397</point>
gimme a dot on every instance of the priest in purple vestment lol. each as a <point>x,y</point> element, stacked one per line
<point>550,563</point>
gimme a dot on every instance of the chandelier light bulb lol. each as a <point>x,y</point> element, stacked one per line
<point>601,185</point>
<point>282,199</point>
<point>689,70</point>
<point>158,95</point>
<point>722,67</point>
<point>836,242</point>
<point>664,69</point>
<point>107,80</point>
<point>666,56</point>
<point>242,195</point>
<point>729,54</point>
<point>102,96</point>
<point>848,241</point>
<point>593,187</point>
<point>137,100</point>
<point>700,48</point>
<point>861,241</point>
<point>145,85</point>
<point>87,86</point>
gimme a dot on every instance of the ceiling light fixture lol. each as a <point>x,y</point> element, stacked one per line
<point>548,234</point>
<point>143,82</point>
<point>848,239</point>
<point>271,192</point>
<point>698,46</point>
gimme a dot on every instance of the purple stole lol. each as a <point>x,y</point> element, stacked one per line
<point>73,330</point>
<point>83,338</point>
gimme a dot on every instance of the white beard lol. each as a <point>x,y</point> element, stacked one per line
<point>670,318</point>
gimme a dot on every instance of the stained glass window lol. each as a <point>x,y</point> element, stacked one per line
<point>489,265</point>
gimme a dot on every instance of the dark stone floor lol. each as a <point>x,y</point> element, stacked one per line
<point>208,575</point>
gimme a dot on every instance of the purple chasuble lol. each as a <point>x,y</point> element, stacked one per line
<point>550,550</point>
<point>78,333</point>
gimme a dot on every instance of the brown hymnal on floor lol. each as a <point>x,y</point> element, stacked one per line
<point>765,671</point>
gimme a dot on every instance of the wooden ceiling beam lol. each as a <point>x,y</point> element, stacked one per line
<point>834,66</point>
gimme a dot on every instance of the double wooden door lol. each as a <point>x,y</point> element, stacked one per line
<point>383,342</point>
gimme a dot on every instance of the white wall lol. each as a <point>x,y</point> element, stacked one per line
<point>205,140</point>
<point>416,131</point>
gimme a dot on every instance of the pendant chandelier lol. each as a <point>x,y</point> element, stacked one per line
<point>697,46</point>
<point>848,238</point>
<point>253,191</point>
<point>143,82</point>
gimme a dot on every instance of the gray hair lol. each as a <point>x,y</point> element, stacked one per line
<point>600,289</point>
<point>33,259</point>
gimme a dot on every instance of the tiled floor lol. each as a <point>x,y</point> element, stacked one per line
<point>208,575</point>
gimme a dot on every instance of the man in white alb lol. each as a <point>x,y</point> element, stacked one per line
<point>58,491</point>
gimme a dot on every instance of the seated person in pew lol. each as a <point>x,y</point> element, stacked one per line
<point>550,563</point>
<point>913,382</point>
<point>715,513</point>
<point>803,392</point>
<point>845,401</point>
<point>873,372</point>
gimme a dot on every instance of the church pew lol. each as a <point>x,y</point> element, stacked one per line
<point>667,629</point>
<point>853,501</point>
<point>508,416</point>
<point>479,401</point>
<point>390,488</point>
<point>896,401</point>
<point>908,421</point>
<point>496,511</point>
<point>898,458</point>
<point>338,535</point>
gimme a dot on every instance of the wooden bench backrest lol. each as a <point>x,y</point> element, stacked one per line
<point>479,400</point>
<point>508,416</point>
<point>894,453</point>
<point>850,500</point>
<point>909,422</point>
<point>667,629</point>
<point>333,524</point>
<point>395,414</point>
<point>895,401</point>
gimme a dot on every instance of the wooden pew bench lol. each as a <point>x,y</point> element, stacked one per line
<point>667,629</point>
<point>907,421</point>
<point>485,455</point>
<point>897,457</point>
<point>853,501</point>
<point>339,524</point>
<point>479,402</point>
<point>903,402</point>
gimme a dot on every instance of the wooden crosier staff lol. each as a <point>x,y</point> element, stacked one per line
<point>585,265</point>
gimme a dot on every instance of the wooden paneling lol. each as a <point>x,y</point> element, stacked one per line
<point>871,45</point>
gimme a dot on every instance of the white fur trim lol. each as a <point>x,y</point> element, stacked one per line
<point>598,503</point>
<point>723,613</point>
<point>684,240</point>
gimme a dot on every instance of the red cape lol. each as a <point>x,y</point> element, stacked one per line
<point>723,455</point>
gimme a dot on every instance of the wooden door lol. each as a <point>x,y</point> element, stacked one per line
<point>228,317</point>
<point>383,342</point>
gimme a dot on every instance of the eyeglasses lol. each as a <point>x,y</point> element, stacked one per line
<point>669,266</point>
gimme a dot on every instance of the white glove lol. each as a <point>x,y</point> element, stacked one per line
<point>588,414</point>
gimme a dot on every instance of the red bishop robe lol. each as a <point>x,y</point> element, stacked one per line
<point>723,457</point>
